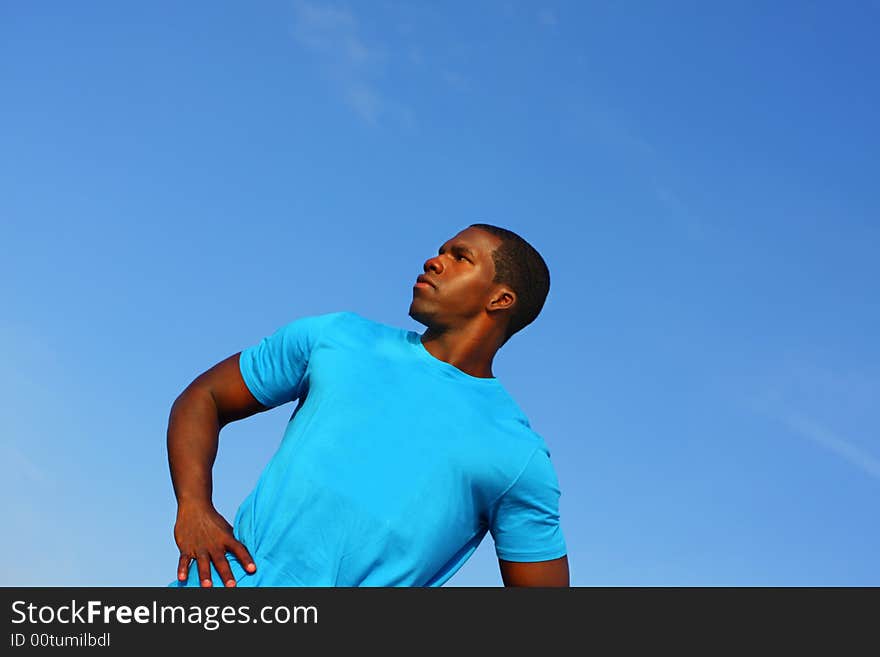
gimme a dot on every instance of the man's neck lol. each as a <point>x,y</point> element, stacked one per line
<point>469,351</point>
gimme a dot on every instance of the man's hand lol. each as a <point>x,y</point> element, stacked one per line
<point>204,535</point>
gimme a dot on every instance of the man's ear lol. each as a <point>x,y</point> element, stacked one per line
<point>503,299</point>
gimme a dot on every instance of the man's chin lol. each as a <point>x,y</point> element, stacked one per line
<point>414,312</point>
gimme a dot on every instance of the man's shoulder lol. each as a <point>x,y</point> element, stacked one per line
<point>526,435</point>
<point>352,325</point>
<point>518,421</point>
<point>507,421</point>
<point>336,318</point>
<point>354,319</point>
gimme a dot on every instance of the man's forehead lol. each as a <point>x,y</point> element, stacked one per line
<point>477,240</point>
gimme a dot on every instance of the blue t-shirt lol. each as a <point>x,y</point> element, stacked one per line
<point>393,467</point>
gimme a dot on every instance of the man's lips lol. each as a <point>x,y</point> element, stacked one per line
<point>424,281</point>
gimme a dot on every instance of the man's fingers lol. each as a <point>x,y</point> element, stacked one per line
<point>183,567</point>
<point>223,568</point>
<point>204,560</point>
<point>240,551</point>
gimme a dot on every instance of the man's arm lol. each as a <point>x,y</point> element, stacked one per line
<point>214,399</point>
<point>536,573</point>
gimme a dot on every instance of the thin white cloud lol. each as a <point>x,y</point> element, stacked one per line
<point>824,437</point>
<point>331,32</point>
<point>589,119</point>
<point>547,17</point>
<point>454,79</point>
<point>15,461</point>
<point>796,387</point>
<point>667,196</point>
<point>333,36</point>
<point>415,56</point>
<point>364,100</point>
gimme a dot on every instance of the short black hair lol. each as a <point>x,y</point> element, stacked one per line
<point>519,265</point>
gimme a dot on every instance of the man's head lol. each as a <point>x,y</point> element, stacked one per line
<point>484,274</point>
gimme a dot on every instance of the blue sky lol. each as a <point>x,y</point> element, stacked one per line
<point>178,180</point>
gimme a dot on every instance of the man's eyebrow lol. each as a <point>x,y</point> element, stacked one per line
<point>460,248</point>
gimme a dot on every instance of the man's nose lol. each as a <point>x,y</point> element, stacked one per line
<point>434,263</point>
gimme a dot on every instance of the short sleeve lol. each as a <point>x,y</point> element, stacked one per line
<point>274,368</point>
<point>525,521</point>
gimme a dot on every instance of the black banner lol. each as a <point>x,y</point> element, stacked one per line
<point>126,619</point>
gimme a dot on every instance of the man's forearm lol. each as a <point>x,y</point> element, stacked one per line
<point>193,436</point>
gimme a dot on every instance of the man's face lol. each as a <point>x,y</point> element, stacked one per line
<point>462,274</point>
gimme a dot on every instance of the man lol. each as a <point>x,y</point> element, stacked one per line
<point>404,449</point>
